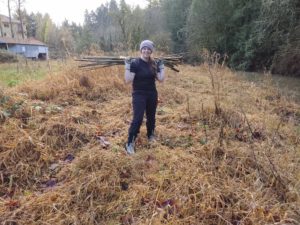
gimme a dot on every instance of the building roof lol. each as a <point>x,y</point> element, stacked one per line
<point>27,41</point>
<point>6,19</point>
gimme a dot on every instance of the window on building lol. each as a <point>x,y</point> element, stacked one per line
<point>6,24</point>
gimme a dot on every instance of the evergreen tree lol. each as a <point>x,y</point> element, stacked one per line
<point>31,25</point>
<point>176,13</point>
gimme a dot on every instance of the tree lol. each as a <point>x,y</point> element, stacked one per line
<point>10,22</point>
<point>31,25</point>
<point>113,30</point>
<point>43,24</point>
<point>273,28</point>
<point>253,33</point>
<point>175,15</point>
<point>240,37</point>
<point>66,40</point>
<point>19,4</point>
<point>224,26</point>
<point>285,36</point>
<point>122,19</point>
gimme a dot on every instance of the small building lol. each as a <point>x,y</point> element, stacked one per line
<point>29,48</point>
<point>13,38</point>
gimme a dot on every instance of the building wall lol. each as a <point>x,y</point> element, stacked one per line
<point>16,25</point>
<point>29,51</point>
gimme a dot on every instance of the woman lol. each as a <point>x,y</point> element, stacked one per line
<point>142,73</point>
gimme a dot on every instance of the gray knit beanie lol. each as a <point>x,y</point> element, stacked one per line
<point>147,43</point>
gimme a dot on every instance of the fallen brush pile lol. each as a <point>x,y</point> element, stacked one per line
<point>62,158</point>
<point>106,61</point>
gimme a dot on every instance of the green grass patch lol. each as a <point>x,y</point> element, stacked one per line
<point>12,74</point>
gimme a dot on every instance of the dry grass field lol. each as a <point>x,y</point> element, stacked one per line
<point>227,152</point>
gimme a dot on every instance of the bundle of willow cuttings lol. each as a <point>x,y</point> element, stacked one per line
<point>94,62</point>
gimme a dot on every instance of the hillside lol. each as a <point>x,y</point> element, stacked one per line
<point>227,153</point>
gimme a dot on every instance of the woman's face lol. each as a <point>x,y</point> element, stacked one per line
<point>146,52</point>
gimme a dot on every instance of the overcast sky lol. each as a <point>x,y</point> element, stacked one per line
<point>59,10</point>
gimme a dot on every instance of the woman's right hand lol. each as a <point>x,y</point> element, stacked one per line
<point>127,63</point>
<point>160,64</point>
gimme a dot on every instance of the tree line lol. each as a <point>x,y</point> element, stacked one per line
<point>255,35</point>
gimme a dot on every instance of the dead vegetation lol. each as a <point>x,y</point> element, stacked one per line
<point>6,57</point>
<point>226,153</point>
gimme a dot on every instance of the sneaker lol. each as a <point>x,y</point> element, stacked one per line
<point>151,138</point>
<point>129,148</point>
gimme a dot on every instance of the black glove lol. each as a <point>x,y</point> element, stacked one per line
<point>160,64</point>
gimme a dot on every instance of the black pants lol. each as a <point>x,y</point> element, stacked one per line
<point>142,101</point>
